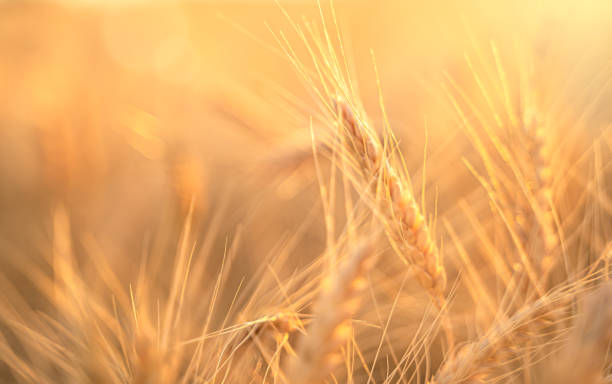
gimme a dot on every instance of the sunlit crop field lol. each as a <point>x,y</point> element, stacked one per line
<point>302,192</point>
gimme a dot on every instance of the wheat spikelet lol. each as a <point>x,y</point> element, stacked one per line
<point>319,352</point>
<point>280,323</point>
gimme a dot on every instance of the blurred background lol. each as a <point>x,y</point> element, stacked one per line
<point>122,109</point>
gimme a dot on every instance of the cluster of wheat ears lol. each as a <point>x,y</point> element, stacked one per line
<point>511,286</point>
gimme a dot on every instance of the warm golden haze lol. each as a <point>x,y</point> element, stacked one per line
<point>305,192</point>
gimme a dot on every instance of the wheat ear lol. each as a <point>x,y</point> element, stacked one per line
<point>320,350</point>
<point>478,361</point>
<point>406,224</point>
<point>538,153</point>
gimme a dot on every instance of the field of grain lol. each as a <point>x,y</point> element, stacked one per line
<point>302,192</point>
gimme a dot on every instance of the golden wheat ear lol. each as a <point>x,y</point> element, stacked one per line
<point>526,332</point>
<point>541,173</point>
<point>404,222</point>
<point>319,352</point>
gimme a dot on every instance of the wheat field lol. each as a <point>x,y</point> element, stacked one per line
<point>302,192</point>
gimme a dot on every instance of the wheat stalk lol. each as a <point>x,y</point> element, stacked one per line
<point>320,351</point>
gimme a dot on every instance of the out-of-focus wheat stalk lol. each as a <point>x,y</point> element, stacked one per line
<point>320,350</point>
<point>518,167</point>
